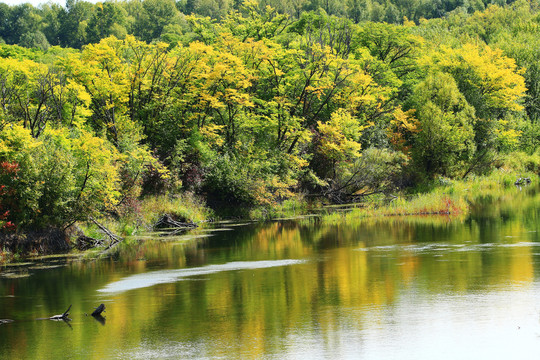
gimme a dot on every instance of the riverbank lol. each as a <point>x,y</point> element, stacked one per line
<point>132,218</point>
<point>442,196</point>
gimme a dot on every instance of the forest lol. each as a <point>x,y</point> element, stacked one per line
<point>80,22</point>
<point>247,105</point>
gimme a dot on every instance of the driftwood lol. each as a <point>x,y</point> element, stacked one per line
<point>63,316</point>
<point>99,310</point>
<point>86,242</point>
<point>97,314</point>
<point>167,222</point>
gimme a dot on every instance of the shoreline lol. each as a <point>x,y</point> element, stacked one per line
<point>452,199</point>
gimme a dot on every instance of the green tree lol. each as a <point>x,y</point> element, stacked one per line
<point>444,143</point>
<point>156,14</point>
<point>37,95</point>
<point>51,22</point>
<point>64,176</point>
<point>108,19</point>
<point>23,19</point>
<point>73,22</point>
<point>34,40</point>
<point>5,22</point>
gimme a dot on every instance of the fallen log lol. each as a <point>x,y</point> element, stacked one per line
<point>86,242</point>
<point>167,222</point>
<point>63,316</point>
<point>99,310</point>
<point>5,321</point>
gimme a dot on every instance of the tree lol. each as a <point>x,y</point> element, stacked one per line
<point>51,19</point>
<point>62,177</point>
<point>490,81</point>
<point>445,141</point>
<point>108,19</point>
<point>394,45</point>
<point>37,95</point>
<point>156,14</point>
<point>23,19</point>
<point>34,40</point>
<point>493,85</point>
<point>73,22</point>
<point>8,204</point>
<point>5,22</point>
<point>337,144</point>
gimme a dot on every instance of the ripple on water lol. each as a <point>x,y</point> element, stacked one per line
<point>152,278</point>
<point>445,247</point>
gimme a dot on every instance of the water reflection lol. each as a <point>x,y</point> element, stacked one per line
<point>100,319</point>
<point>408,288</point>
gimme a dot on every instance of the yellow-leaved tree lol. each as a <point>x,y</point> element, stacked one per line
<point>494,86</point>
<point>38,95</point>
<point>491,82</point>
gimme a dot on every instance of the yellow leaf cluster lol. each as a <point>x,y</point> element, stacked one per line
<point>493,74</point>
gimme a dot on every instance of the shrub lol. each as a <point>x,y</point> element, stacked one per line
<point>62,177</point>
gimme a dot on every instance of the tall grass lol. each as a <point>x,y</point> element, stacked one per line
<point>185,207</point>
<point>449,197</point>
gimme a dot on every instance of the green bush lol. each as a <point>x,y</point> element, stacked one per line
<point>61,177</point>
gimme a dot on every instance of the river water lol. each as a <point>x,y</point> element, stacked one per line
<point>393,288</point>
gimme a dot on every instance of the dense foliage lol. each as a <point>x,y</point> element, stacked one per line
<point>257,106</point>
<point>80,22</point>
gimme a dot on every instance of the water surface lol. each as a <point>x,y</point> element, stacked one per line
<point>396,288</point>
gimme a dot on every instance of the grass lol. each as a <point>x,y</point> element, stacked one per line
<point>424,204</point>
<point>445,197</point>
<point>185,207</point>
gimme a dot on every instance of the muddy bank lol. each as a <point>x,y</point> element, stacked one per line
<point>48,241</point>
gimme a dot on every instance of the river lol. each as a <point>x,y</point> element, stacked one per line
<point>425,287</point>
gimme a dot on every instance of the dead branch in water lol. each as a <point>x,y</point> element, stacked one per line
<point>167,222</point>
<point>99,310</point>
<point>63,316</point>
<point>85,242</point>
<point>113,238</point>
